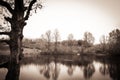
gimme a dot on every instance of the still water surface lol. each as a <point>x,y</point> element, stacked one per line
<point>60,71</point>
<point>52,69</point>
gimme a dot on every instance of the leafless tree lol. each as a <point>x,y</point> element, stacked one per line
<point>70,41</point>
<point>103,42</point>
<point>89,39</point>
<point>16,12</point>
<point>56,38</point>
<point>48,37</point>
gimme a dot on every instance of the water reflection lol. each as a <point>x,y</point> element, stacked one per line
<point>3,72</point>
<point>114,71</point>
<point>104,69</point>
<point>89,71</point>
<point>71,69</point>
<point>52,68</point>
<point>12,71</point>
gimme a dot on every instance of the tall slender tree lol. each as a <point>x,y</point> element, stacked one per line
<point>19,11</point>
<point>48,37</point>
<point>70,41</point>
<point>103,42</point>
<point>56,38</point>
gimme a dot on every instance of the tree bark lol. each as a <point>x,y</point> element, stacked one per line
<point>17,24</point>
<point>16,37</point>
<point>13,72</point>
<point>15,48</point>
<point>16,34</point>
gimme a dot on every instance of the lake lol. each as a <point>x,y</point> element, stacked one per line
<point>63,68</point>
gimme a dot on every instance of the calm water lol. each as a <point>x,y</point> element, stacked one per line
<point>76,68</point>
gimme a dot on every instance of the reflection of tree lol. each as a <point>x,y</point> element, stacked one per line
<point>71,69</point>
<point>104,69</point>
<point>111,66</point>
<point>13,71</point>
<point>46,72</point>
<point>88,71</point>
<point>114,70</point>
<point>51,71</point>
<point>55,71</point>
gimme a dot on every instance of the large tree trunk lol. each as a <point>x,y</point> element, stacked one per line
<point>16,35</point>
<point>19,13</point>
<point>13,72</point>
<point>15,48</point>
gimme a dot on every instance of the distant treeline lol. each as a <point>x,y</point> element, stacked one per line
<point>51,43</point>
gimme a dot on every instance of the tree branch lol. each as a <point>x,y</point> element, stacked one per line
<point>4,33</point>
<point>8,19</point>
<point>29,9</point>
<point>7,5</point>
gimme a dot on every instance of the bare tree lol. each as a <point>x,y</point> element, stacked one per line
<point>16,12</point>
<point>56,38</point>
<point>43,43</point>
<point>48,37</point>
<point>103,42</point>
<point>89,39</point>
<point>70,41</point>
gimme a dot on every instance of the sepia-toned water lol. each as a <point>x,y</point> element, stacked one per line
<point>65,69</point>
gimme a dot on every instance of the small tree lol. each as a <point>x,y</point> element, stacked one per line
<point>48,37</point>
<point>89,39</point>
<point>70,41</point>
<point>43,42</point>
<point>81,44</point>
<point>56,38</point>
<point>103,42</point>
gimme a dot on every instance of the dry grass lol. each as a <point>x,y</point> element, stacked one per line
<point>31,52</point>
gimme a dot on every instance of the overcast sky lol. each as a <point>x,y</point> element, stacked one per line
<point>75,16</point>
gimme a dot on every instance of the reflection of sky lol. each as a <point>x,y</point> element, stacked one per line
<point>3,72</point>
<point>77,74</point>
<point>97,75</point>
<point>31,72</point>
<point>34,72</point>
